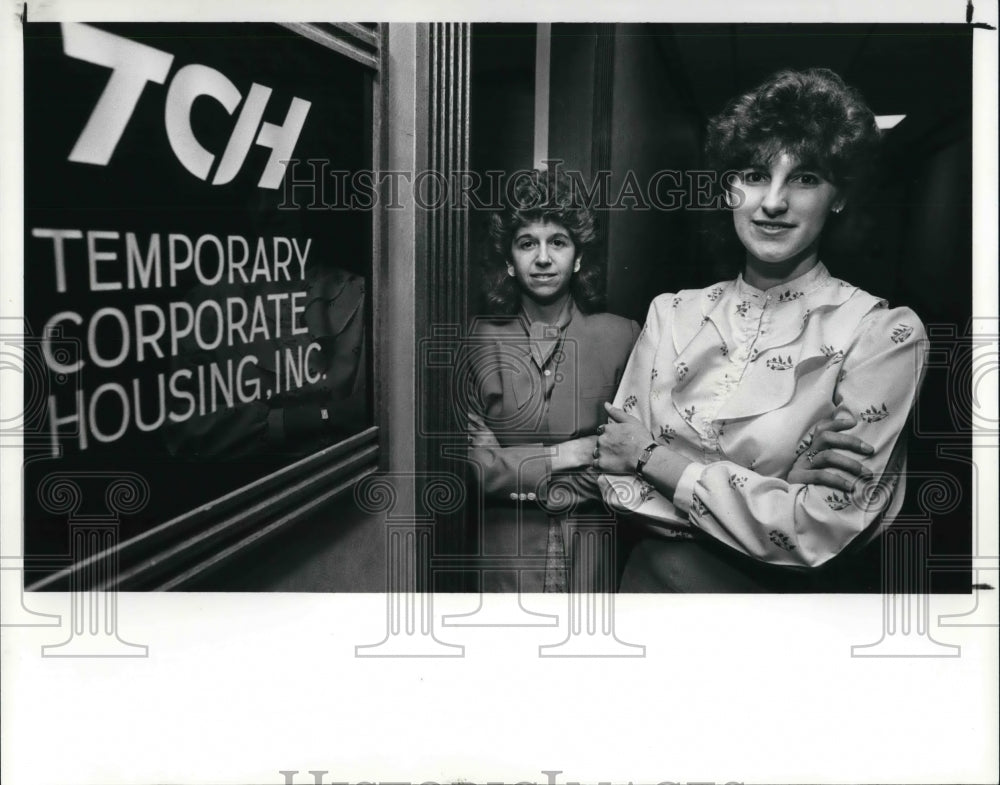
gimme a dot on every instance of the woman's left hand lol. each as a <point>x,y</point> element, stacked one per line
<point>620,442</point>
<point>828,461</point>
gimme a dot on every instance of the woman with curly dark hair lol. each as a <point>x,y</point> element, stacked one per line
<point>540,367</point>
<point>760,424</point>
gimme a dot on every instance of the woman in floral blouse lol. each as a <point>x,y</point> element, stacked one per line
<point>761,421</point>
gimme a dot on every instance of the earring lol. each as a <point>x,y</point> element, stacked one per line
<point>838,208</point>
<point>510,270</point>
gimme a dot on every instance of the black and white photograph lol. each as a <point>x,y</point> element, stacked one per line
<point>368,385</point>
<point>724,242</point>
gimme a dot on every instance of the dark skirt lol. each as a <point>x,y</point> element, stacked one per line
<point>658,564</point>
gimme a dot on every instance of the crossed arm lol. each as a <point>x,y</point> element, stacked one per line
<point>832,493</point>
<point>516,471</point>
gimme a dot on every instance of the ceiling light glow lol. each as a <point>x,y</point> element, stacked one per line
<point>887,121</point>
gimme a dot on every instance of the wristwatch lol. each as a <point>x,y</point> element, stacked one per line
<point>644,458</point>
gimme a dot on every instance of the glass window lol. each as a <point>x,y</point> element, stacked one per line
<point>200,307</point>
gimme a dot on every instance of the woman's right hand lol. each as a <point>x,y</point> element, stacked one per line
<point>569,456</point>
<point>574,454</point>
<point>824,462</point>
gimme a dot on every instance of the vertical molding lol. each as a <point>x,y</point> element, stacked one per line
<point>445,287</point>
<point>543,59</point>
<point>604,64</point>
<point>600,149</point>
<point>401,307</point>
<point>378,378</point>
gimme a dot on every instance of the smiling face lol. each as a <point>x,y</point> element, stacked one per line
<point>543,260</point>
<point>781,217</point>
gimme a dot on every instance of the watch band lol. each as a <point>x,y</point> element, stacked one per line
<point>644,458</point>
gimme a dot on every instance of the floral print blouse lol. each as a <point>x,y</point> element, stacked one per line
<point>734,378</point>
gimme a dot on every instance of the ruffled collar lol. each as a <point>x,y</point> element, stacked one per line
<point>792,303</point>
<point>704,321</point>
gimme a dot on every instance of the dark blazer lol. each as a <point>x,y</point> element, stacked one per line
<point>522,403</point>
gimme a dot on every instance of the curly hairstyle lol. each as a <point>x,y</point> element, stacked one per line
<point>532,196</point>
<point>813,116</point>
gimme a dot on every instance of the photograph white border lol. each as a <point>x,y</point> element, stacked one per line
<point>236,688</point>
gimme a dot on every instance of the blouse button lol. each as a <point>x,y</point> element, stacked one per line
<point>531,497</point>
<point>523,497</point>
<point>513,497</point>
<point>548,371</point>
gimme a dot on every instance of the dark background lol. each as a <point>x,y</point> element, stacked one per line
<point>622,97</point>
<point>145,189</point>
<point>637,96</point>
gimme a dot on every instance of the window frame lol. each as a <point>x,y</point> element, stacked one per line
<point>173,553</point>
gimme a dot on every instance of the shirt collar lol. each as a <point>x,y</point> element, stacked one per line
<point>790,290</point>
<point>544,337</point>
<point>564,318</point>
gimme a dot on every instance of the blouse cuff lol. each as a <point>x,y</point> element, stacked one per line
<point>684,493</point>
